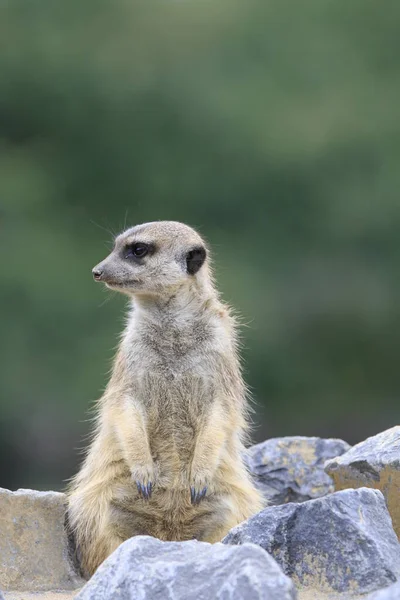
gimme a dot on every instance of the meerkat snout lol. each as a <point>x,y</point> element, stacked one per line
<point>97,273</point>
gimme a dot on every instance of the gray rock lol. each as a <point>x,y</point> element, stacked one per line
<point>389,593</point>
<point>145,568</point>
<point>343,542</point>
<point>291,469</point>
<point>373,463</point>
<point>1,596</point>
<point>34,547</point>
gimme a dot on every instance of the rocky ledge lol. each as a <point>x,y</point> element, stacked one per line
<point>34,547</point>
<point>343,542</point>
<point>373,463</point>
<point>326,532</point>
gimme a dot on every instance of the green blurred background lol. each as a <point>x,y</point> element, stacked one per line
<point>271,126</point>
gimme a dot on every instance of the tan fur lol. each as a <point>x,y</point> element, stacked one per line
<point>174,411</point>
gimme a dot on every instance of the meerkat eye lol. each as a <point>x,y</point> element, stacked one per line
<point>138,249</point>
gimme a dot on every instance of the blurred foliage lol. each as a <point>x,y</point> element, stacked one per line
<point>272,127</point>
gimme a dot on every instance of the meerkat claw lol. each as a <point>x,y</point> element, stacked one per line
<point>144,490</point>
<point>197,496</point>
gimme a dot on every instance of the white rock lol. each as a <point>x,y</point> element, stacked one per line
<point>145,568</point>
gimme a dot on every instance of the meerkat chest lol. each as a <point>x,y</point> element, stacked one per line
<point>172,352</point>
<point>175,370</point>
<point>173,378</point>
<point>174,396</point>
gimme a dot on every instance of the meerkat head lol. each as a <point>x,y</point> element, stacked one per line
<point>154,258</point>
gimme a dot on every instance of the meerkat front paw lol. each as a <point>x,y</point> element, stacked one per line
<point>144,479</point>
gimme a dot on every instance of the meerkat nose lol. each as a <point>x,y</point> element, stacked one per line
<point>97,273</point>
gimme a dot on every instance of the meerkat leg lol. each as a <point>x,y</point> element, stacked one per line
<point>210,441</point>
<point>229,508</point>
<point>89,501</point>
<point>132,435</point>
<point>237,500</point>
<point>95,551</point>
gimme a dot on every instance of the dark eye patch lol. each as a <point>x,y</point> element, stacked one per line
<point>136,250</point>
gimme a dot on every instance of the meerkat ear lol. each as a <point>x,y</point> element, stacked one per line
<point>195,259</point>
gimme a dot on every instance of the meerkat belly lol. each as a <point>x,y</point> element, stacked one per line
<point>174,409</point>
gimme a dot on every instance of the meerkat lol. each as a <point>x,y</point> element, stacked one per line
<point>166,454</point>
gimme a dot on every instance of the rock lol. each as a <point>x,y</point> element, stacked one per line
<point>1,596</point>
<point>343,542</point>
<point>389,593</point>
<point>373,463</point>
<point>291,469</point>
<point>145,568</point>
<point>34,548</point>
